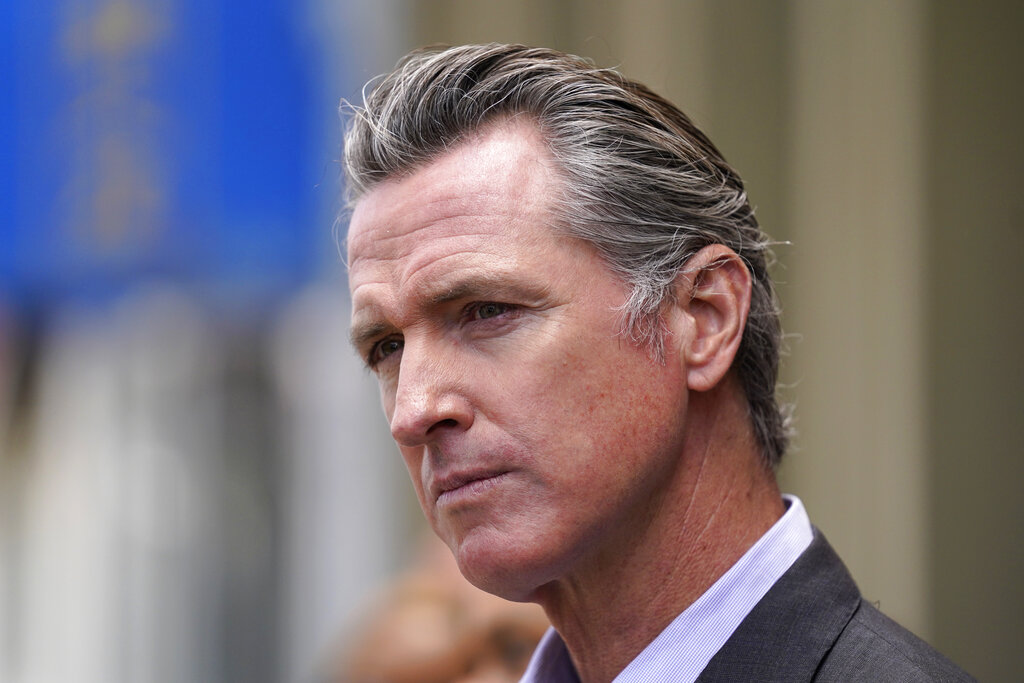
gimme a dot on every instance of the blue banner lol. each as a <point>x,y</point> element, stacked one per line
<point>155,139</point>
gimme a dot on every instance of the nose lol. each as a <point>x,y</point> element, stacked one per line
<point>429,397</point>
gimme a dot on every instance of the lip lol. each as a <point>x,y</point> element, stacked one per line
<point>462,486</point>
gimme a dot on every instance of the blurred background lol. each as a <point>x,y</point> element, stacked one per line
<point>195,480</point>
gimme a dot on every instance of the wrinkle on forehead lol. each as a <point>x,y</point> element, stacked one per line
<point>450,220</point>
<point>433,258</point>
<point>430,282</point>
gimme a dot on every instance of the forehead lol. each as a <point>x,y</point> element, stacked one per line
<point>472,202</point>
<point>505,169</point>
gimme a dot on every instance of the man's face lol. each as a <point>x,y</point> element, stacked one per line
<point>537,436</point>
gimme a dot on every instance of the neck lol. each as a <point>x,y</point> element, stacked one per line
<point>622,595</point>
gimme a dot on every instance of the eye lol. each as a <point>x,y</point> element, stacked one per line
<point>490,309</point>
<point>383,349</point>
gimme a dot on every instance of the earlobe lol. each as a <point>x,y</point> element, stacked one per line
<point>713,295</point>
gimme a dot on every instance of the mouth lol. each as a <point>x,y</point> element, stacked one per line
<point>463,487</point>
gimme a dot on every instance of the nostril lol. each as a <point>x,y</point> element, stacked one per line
<point>448,422</point>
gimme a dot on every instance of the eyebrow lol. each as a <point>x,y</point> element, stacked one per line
<point>362,334</point>
<point>465,289</point>
<point>480,286</point>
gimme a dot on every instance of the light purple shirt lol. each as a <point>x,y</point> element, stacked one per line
<point>685,647</point>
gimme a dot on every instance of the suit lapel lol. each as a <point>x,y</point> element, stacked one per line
<point>789,632</point>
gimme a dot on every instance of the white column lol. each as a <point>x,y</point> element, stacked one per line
<point>118,569</point>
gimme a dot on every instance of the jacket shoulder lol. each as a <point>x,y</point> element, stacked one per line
<point>873,647</point>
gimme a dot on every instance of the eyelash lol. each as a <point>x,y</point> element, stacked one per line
<point>373,358</point>
<point>471,313</point>
<point>474,309</point>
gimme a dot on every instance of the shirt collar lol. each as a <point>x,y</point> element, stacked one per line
<point>684,648</point>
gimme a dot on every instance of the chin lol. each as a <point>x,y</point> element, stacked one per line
<point>512,571</point>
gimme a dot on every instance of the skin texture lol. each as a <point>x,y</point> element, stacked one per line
<point>560,462</point>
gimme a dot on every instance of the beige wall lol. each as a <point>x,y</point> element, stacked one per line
<point>855,290</point>
<point>883,140</point>
<point>975,332</point>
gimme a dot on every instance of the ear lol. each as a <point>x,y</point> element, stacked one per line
<point>713,298</point>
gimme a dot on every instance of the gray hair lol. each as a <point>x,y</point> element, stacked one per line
<point>641,182</point>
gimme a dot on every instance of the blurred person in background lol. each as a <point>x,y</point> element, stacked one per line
<point>564,294</point>
<point>432,626</point>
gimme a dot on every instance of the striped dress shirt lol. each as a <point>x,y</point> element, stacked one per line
<point>685,647</point>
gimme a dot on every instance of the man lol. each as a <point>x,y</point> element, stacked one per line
<point>563,291</point>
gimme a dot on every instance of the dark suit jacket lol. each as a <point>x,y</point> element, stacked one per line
<point>813,625</point>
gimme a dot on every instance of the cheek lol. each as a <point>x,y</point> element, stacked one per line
<point>601,378</point>
<point>614,399</point>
